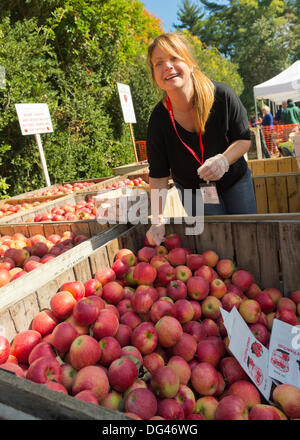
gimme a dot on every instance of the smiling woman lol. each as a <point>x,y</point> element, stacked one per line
<point>198,132</point>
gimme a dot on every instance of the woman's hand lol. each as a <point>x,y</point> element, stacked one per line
<point>214,168</point>
<point>156,234</point>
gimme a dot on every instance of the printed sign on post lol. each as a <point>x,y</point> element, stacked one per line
<point>249,352</point>
<point>126,103</point>
<point>284,353</point>
<point>34,118</point>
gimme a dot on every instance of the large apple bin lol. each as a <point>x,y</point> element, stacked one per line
<point>267,246</point>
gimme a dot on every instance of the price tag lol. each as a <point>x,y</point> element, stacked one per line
<point>209,193</point>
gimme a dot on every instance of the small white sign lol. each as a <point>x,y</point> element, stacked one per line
<point>284,353</point>
<point>126,103</point>
<point>249,352</point>
<point>34,118</point>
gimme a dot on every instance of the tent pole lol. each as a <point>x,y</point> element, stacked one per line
<point>255,104</point>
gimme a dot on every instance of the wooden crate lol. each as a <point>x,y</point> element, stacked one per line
<point>98,184</point>
<point>277,193</point>
<point>268,247</point>
<point>72,198</point>
<point>273,166</point>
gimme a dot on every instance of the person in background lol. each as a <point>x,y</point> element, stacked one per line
<point>267,116</point>
<point>198,132</point>
<point>291,115</point>
<point>277,117</point>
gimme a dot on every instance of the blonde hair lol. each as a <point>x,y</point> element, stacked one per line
<point>175,44</point>
<point>266,107</point>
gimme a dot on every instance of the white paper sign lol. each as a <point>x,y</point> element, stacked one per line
<point>250,353</point>
<point>34,118</point>
<point>126,103</point>
<point>284,353</point>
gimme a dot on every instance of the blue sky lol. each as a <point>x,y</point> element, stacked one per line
<point>166,10</point>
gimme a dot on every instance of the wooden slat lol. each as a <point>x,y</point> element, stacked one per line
<point>268,246</point>
<point>293,190</point>
<point>295,167</point>
<point>258,167</point>
<point>98,259</point>
<point>81,228</point>
<point>246,248</point>
<point>271,166</point>
<point>82,271</point>
<point>23,312</point>
<point>285,165</point>
<point>217,237</point>
<point>7,325</point>
<point>45,293</point>
<point>260,189</point>
<point>289,235</point>
<point>40,401</point>
<point>277,193</point>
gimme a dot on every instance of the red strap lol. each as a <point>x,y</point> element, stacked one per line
<point>171,114</point>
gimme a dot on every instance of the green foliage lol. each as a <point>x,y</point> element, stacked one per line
<point>70,54</point>
<point>214,65</point>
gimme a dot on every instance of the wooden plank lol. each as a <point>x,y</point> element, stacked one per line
<point>6,230</point>
<point>258,167</point>
<point>285,165</point>
<point>289,236</point>
<point>96,228</point>
<point>47,404</point>
<point>293,193</point>
<point>271,166</point>
<point>295,167</point>
<point>50,228</point>
<point>98,259</point>
<point>246,248</point>
<point>81,228</point>
<point>24,311</point>
<point>37,229</point>
<point>22,229</point>
<point>7,325</point>
<point>45,293</point>
<point>260,190</point>
<point>217,237</point>
<point>83,271</point>
<point>268,246</point>
<point>277,193</point>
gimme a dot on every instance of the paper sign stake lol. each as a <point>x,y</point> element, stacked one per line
<point>43,160</point>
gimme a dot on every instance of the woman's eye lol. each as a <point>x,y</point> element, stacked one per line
<point>173,58</point>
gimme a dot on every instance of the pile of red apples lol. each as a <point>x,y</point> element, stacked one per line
<point>8,209</point>
<point>145,337</point>
<point>20,255</point>
<point>133,183</point>
<point>63,189</point>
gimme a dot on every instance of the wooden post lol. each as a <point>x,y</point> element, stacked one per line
<point>133,141</point>
<point>258,143</point>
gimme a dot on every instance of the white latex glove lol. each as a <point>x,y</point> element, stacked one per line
<point>156,234</point>
<point>214,168</point>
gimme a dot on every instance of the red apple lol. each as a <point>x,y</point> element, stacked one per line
<point>23,343</point>
<point>186,399</point>
<point>287,397</point>
<point>165,273</point>
<point>62,336</point>
<point>197,288</point>
<point>176,289</point>
<point>211,307</point>
<point>152,361</point>
<point>204,379</point>
<point>250,311</point>
<point>247,391</point>
<point>4,349</point>
<point>142,402</point>
<point>84,351</point>
<point>265,301</point>
<point>231,370</point>
<point>172,241</point>
<point>123,335</point>
<point>92,378</point>
<point>206,406</point>
<point>144,273</point>
<point>168,330</point>
<point>183,273</point>
<point>260,332</point>
<point>184,311</point>
<point>160,308</point>
<point>181,368</point>
<point>208,351</point>
<point>104,275</point>
<point>144,338</point>
<point>43,349</point>
<point>232,408</point>
<point>266,412</point>
<point>106,324</point>
<point>218,288</point>
<point>165,382</point>
<point>44,369</point>
<point>86,310</point>
<point>177,257</point>
<point>211,258</point>
<point>231,300</point>
<point>122,373</point>
<point>195,329</point>
<point>87,396</point>
<point>170,409</point>
<point>76,288</point>
<point>243,279</point>
<point>92,287</point>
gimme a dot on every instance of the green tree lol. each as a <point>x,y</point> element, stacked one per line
<point>190,17</point>
<point>70,54</point>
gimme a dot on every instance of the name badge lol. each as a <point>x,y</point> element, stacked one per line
<point>209,193</point>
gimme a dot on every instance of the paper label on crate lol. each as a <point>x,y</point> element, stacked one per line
<point>284,353</point>
<point>126,103</point>
<point>227,320</point>
<point>250,353</point>
<point>34,118</point>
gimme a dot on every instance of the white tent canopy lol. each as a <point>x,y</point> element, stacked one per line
<point>281,87</point>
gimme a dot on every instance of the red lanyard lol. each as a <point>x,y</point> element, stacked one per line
<point>170,110</point>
